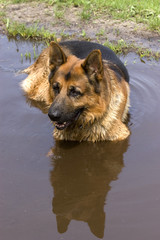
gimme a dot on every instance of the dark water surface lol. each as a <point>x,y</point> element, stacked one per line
<point>77,191</point>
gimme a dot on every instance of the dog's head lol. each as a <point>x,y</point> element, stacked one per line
<point>76,87</point>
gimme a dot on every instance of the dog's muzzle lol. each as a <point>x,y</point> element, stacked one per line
<point>61,120</point>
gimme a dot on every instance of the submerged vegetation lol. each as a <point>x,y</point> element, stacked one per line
<point>29,56</point>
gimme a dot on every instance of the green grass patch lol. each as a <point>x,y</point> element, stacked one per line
<point>121,47</point>
<point>141,11</point>
<point>2,14</point>
<point>15,29</point>
<point>28,55</point>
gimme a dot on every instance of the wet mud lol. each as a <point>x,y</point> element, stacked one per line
<point>69,190</point>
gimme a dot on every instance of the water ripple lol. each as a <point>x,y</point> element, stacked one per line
<point>144,97</point>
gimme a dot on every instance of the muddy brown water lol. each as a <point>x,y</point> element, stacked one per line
<point>73,191</point>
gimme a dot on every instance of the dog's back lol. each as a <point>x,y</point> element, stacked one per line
<point>82,48</point>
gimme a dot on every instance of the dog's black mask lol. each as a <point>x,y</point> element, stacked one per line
<point>63,118</point>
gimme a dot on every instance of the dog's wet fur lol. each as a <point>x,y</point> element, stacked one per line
<point>86,89</point>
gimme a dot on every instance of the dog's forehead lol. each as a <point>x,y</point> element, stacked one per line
<point>72,67</point>
<point>71,73</point>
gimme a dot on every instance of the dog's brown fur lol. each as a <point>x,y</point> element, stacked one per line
<point>103,97</point>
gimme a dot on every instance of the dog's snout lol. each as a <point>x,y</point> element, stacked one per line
<point>54,115</point>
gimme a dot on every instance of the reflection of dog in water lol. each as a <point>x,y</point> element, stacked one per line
<point>85,88</point>
<point>81,178</point>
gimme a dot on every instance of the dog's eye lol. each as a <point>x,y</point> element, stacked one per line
<point>73,92</point>
<point>56,88</point>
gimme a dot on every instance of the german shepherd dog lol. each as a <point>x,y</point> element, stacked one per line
<point>86,89</point>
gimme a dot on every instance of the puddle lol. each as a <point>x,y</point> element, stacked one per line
<point>74,191</point>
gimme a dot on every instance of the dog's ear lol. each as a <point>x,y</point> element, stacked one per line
<point>93,65</point>
<point>56,56</point>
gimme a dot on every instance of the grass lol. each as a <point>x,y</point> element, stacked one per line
<point>121,47</point>
<point>15,29</point>
<point>58,12</point>
<point>140,11</point>
<point>28,55</point>
<point>2,14</point>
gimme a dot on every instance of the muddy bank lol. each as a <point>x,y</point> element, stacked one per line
<point>70,25</point>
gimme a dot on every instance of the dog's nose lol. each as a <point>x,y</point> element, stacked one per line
<point>54,115</point>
